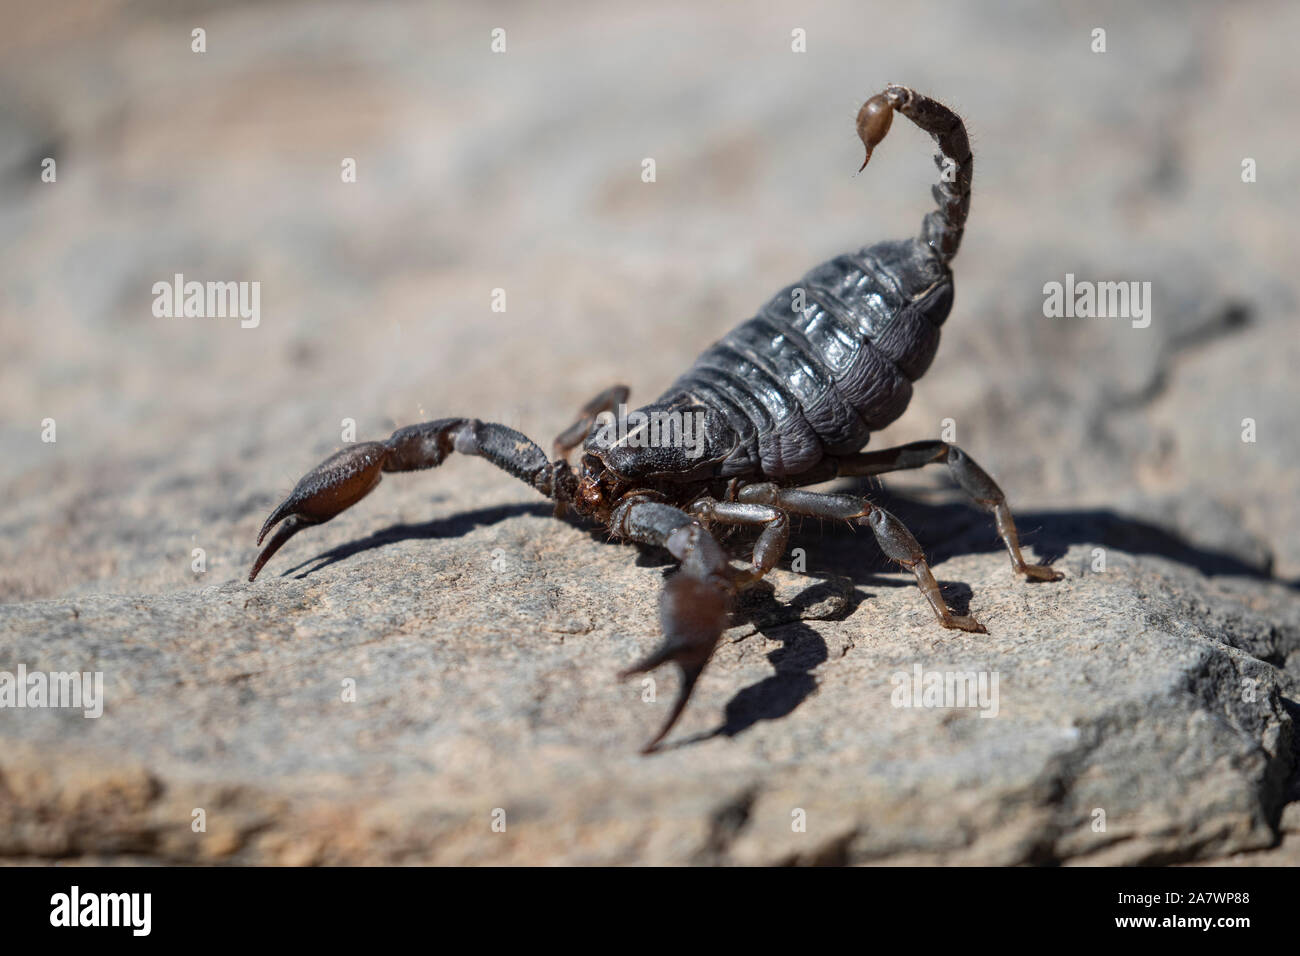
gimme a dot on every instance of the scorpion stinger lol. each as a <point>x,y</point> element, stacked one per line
<point>943,227</point>
<point>874,120</point>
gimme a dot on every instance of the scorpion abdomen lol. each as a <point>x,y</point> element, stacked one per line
<point>826,361</point>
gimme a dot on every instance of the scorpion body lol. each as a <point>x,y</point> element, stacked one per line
<point>797,385</point>
<point>787,399</point>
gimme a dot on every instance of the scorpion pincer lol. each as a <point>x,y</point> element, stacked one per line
<point>786,400</point>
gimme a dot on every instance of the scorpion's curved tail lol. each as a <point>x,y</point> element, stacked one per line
<point>943,227</point>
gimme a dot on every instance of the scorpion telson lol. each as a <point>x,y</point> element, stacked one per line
<point>788,399</point>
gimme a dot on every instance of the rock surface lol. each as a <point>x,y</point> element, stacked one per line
<point>1146,692</point>
<point>483,636</point>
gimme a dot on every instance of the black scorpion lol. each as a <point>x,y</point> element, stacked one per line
<point>787,399</point>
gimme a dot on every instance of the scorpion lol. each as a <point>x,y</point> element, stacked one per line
<point>787,399</point>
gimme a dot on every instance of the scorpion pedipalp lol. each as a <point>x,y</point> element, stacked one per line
<point>695,602</point>
<point>693,615</point>
<point>346,477</point>
<point>338,482</point>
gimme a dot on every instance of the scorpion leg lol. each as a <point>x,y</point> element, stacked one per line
<point>694,605</point>
<point>346,477</point>
<point>771,540</point>
<point>973,479</point>
<point>576,434</point>
<point>891,534</point>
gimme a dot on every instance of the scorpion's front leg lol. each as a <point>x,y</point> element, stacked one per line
<point>693,608</point>
<point>891,534</point>
<point>346,477</point>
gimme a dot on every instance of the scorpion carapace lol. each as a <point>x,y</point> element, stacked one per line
<point>788,399</point>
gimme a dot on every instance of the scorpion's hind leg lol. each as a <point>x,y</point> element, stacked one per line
<point>973,479</point>
<point>694,605</point>
<point>891,534</point>
<point>346,477</point>
<point>576,434</point>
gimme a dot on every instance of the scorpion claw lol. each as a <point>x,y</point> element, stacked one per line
<point>285,532</point>
<point>689,675</point>
<point>693,613</point>
<point>279,514</point>
<point>338,482</point>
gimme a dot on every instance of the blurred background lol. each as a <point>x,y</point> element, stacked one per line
<point>521,171</point>
<point>481,637</point>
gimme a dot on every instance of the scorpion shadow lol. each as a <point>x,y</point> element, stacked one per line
<point>955,527</point>
<point>946,529</point>
<point>453,526</point>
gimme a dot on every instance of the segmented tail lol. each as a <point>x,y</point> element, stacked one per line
<point>943,227</point>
